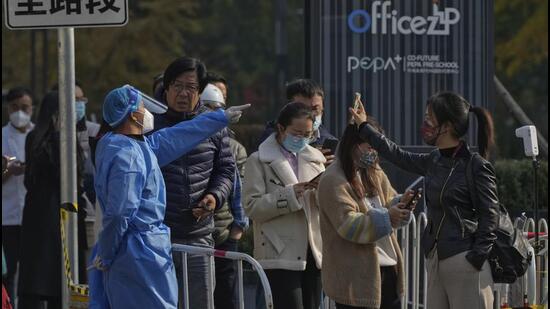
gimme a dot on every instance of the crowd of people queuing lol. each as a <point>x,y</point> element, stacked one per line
<point>168,170</point>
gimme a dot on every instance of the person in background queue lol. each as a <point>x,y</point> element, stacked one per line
<point>230,220</point>
<point>40,267</point>
<point>86,131</point>
<point>14,134</point>
<point>307,91</point>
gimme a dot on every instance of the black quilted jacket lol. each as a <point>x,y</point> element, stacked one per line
<point>209,168</point>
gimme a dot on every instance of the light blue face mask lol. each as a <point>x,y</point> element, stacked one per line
<point>80,109</point>
<point>294,143</point>
<point>317,122</point>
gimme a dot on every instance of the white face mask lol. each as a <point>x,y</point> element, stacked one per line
<point>148,122</point>
<point>20,119</point>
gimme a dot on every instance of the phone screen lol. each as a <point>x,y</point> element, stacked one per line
<point>315,178</point>
<point>415,197</point>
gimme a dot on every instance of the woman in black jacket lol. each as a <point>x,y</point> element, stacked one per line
<point>40,264</point>
<point>458,236</point>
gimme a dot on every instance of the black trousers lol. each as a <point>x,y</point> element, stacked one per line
<point>11,240</point>
<point>37,302</point>
<point>390,299</point>
<point>296,289</point>
<point>225,292</point>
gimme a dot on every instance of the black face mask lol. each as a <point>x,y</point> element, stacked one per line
<point>429,133</point>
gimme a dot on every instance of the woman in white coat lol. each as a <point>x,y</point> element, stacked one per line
<point>280,198</point>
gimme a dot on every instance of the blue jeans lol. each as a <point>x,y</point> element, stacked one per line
<point>198,271</point>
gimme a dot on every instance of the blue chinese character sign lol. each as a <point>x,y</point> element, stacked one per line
<point>43,14</point>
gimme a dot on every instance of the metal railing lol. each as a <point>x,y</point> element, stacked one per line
<point>413,259</point>
<point>185,250</point>
<point>534,283</point>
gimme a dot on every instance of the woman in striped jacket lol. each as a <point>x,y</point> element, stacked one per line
<point>359,212</point>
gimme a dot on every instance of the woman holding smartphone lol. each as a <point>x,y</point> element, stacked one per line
<point>359,212</point>
<point>280,199</point>
<point>458,236</point>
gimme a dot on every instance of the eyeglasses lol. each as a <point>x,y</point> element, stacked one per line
<point>308,135</point>
<point>81,99</point>
<point>178,87</point>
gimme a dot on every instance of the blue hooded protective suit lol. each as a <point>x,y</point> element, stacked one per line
<point>134,245</point>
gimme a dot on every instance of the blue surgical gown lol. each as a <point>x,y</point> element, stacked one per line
<point>134,244</point>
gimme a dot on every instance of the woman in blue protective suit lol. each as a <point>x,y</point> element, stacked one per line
<point>132,262</point>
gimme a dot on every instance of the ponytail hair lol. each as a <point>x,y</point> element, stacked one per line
<point>485,130</point>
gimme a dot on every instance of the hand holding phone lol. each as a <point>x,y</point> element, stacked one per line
<point>330,144</point>
<point>205,207</point>
<point>357,100</point>
<point>357,113</point>
<point>14,167</point>
<point>417,195</point>
<point>329,150</point>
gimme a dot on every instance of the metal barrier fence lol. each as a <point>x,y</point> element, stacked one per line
<point>413,260</point>
<point>534,283</point>
<point>184,250</point>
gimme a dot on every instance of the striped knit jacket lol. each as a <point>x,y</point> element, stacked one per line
<point>349,230</point>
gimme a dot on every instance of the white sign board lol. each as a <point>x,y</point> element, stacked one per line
<point>43,14</point>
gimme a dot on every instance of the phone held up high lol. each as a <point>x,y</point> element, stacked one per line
<point>356,103</point>
<point>357,100</point>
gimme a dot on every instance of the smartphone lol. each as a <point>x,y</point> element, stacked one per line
<point>316,178</point>
<point>415,198</point>
<point>330,144</point>
<point>414,184</point>
<point>357,100</point>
